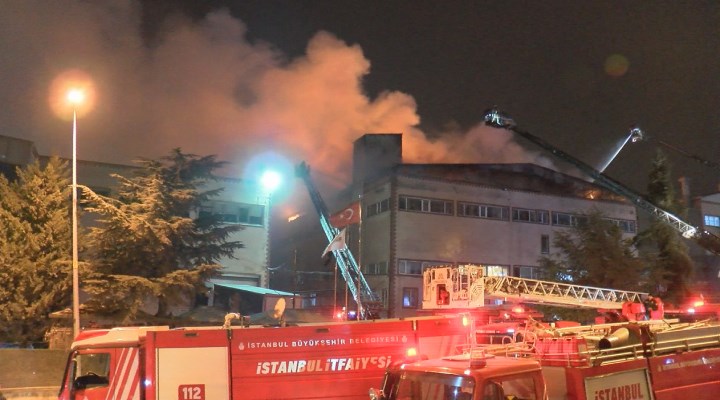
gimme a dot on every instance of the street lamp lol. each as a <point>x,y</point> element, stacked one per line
<point>75,97</point>
<point>270,181</point>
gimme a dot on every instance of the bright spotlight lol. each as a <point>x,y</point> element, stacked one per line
<point>75,96</point>
<point>271,180</point>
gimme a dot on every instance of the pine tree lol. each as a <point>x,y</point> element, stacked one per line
<point>593,253</point>
<point>35,238</point>
<point>663,243</point>
<point>147,244</point>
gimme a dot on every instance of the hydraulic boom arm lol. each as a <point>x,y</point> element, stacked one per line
<point>354,278</point>
<point>704,238</point>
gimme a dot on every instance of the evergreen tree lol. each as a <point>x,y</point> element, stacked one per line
<point>147,244</point>
<point>593,253</point>
<point>662,242</point>
<point>35,238</point>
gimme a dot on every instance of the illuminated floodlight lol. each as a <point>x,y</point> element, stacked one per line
<point>75,96</point>
<point>636,134</point>
<point>271,180</point>
<point>498,119</point>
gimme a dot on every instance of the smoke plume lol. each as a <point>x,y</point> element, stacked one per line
<point>205,88</point>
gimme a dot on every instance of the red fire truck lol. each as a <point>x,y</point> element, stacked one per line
<point>337,360</point>
<point>625,361</point>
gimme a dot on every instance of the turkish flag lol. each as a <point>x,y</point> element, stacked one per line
<point>347,216</point>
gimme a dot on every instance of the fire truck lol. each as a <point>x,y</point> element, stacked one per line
<point>337,360</point>
<point>650,360</point>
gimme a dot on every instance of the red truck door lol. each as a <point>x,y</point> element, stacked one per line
<point>103,373</point>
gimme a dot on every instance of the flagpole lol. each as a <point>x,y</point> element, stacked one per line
<point>360,213</point>
<point>359,242</point>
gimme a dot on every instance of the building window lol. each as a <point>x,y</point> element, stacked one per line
<point>234,213</point>
<point>379,268</point>
<point>496,270</point>
<point>627,226</point>
<point>544,244</point>
<point>433,206</point>
<point>533,216</point>
<point>410,297</point>
<point>415,267</point>
<point>528,272</point>
<point>565,219</point>
<point>377,208</point>
<point>482,211</point>
<point>712,220</point>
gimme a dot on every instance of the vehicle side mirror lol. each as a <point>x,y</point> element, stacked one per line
<point>376,394</point>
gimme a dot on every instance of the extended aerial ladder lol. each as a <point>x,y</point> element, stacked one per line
<point>635,131</point>
<point>349,269</point>
<point>702,237</point>
<point>466,286</point>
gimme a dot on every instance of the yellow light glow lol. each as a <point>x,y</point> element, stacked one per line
<point>76,96</point>
<point>71,91</point>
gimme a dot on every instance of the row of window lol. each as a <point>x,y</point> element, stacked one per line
<point>712,220</point>
<point>377,208</point>
<point>503,213</point>
<point>235,213</point>
<point>416,267</point>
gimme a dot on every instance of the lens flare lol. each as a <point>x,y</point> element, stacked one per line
<point>616,65</point>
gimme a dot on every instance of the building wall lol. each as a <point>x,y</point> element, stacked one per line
<point>395,235</point>
<point>708,264</point>
<point>240,197</point>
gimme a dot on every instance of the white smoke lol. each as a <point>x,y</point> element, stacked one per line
<point>206,89</point>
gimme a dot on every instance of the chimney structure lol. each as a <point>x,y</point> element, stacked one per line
<point>374,154</point>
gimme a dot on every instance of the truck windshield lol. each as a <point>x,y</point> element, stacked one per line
<point>433,386</point>
<point>91,370</point>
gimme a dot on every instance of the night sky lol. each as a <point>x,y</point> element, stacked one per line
<point>303,79</point>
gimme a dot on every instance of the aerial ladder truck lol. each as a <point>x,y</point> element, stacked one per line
<point>358,286</point>
<point>467,287</point>
<point>451,289</point>
<point>707,240</point>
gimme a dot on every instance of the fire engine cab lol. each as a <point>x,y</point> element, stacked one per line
<point>624,361</point>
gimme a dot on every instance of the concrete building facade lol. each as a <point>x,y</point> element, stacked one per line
<point>502,216</point>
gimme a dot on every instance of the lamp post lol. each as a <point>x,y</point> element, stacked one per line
<point>75,97</point>
<point>270,181</point>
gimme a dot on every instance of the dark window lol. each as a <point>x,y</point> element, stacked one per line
<point>415,267</point>
<point>482,211</point>
<point>379,268</point>
<point>377,208</point>
<point>433,206</point>
<point>410,297</point>
<point>544,244</point>
<point>627,226</point>
<point>533,216</point>
<point>234,213</point>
